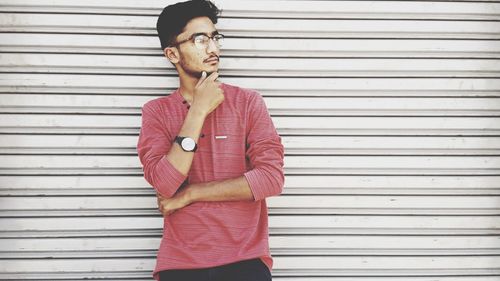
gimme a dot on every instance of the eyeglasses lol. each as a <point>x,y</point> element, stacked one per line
<point>202,40</point>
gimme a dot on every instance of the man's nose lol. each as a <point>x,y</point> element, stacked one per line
<point>212,47</point>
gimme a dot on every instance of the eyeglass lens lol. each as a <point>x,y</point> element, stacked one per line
<point>202,40</point>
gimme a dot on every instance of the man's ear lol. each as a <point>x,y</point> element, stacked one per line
<point>172,54</point>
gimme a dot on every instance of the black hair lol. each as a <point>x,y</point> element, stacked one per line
<point>174,18</point>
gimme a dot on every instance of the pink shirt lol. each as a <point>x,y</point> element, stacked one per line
<point>238,139</point>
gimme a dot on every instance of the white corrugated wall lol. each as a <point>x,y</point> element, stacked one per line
<point>389,112</point>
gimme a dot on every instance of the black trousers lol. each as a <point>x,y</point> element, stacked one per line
<point>247,270</point>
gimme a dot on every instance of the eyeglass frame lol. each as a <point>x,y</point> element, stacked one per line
<point>191,38</point>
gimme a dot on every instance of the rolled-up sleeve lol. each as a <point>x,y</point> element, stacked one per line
<point>264,151</point>
<point>153,145</point>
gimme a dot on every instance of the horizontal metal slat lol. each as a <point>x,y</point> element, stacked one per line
<point>275,9</point>
<point>287,28</point>
<point>339,204</point>
<point>144,226</point>
<point>252,67</point>
<point>381,165</point>
<point>292,106</point>
<point>294,145</point>
<point>313,150</point>
<point>437,126</point>
<point>254,47</point>
<point>286,123</point>
<point>280,245</point>
<point>15,82</point>
<point>117,104</point>
<point>61,185</point>
<point>311,266</point>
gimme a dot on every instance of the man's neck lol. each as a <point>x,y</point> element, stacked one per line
<point>187,85</point>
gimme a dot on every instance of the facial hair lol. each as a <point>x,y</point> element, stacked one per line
<point>190,72</point>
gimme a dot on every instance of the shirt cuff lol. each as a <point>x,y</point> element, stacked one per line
<point>257,186</point>
<point>172,178</point>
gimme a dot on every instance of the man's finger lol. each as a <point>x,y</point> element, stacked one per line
<point>213,76</point>
<point>202,78</point>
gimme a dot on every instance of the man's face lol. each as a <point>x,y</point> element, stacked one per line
<point>192,59</point>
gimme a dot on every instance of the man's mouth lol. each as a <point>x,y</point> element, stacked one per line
<point>212,59</point>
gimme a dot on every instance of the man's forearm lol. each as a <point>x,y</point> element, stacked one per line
<point>180,159</point>
<point>207,96</point>
<point>236,189</point>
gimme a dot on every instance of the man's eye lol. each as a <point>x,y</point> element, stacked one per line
<point>200,39</point>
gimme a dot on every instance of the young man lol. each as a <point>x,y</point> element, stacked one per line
<point>213,155</point>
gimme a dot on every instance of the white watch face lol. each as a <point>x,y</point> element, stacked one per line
<point>188,144</point>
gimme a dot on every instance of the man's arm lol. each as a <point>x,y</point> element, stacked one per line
<point>165,164</point>
<point>265,179</point>
<point>236,189</point>
<point>206,98</point>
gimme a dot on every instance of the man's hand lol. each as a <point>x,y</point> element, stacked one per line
<point>168,206</point>
<point>207,94</point>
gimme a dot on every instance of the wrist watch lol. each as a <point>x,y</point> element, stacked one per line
<point>187,144</point>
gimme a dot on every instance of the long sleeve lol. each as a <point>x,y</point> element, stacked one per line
<point>153,145</point>
<point>264,151</point>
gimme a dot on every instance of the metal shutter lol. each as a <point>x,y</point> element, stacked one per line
<point>389,112</point>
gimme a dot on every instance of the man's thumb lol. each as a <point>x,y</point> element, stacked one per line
<point>202,78</point>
